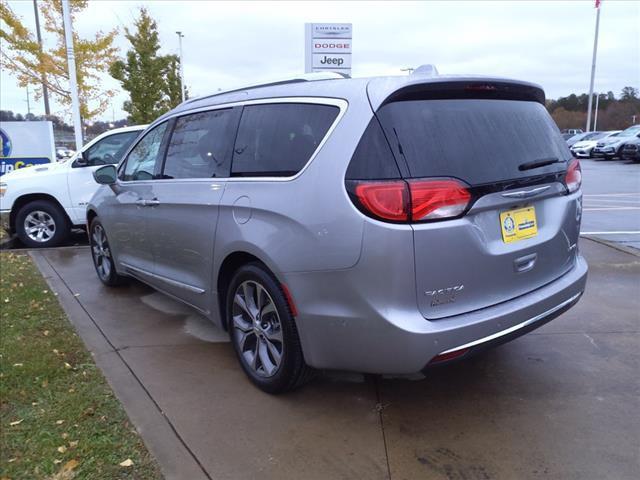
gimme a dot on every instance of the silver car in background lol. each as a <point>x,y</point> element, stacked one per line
<point>380,225</point>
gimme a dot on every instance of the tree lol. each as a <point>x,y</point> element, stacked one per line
<point>152,80</point>
<point>629,93</point>
<point>22,56</point>
<point>173,84</point>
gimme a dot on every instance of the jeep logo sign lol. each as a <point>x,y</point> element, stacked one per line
<point>328,47</point>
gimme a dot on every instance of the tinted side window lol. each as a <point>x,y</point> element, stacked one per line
<point>279,139</point>
<point>201,145</point>
<point>373,159</point>
<point>142,159</point>
<point>110,149</point>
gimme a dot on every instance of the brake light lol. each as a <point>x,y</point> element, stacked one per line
<point>412,200</point>
<point>573,177</point>
<point>435,199</point>
<point>386,200</point>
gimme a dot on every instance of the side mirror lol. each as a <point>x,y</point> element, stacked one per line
<point>106,175</point>
<point>81,161</point>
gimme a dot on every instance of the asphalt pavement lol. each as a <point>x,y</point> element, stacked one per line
<point>559,403</point>
<point>611,202</point>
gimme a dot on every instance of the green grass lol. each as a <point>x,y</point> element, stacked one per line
<point>70,423</point>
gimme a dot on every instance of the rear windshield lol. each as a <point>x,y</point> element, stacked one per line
<point>478,141</point>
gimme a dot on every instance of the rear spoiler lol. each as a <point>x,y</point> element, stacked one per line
<point>381,93</point>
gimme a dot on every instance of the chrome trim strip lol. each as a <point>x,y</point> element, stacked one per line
<point>526,193</point>
<point>515,327</point>
<point>166,280</point>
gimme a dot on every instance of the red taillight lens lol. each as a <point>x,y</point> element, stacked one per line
<point>387,200</point>
<point>437,199</point>
<point>445,357</point>
<point>412,200</point>
<point>573,178</point>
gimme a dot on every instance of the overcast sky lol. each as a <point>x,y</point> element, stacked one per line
<point>235,43</point>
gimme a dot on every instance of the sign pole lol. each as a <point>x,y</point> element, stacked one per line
<point>73,81</point>
<point>593,66</point>
<point>182,86</point>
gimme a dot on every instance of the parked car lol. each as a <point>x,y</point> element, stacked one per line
<point>41,204</point>
<point>573,131</point>
<point>63,153</point>
<point>582,149</point>
<point>377,225</point>
<point>580,137</point>
<point>631,150</point>
<point>609,148</point>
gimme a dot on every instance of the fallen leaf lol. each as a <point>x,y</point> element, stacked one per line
<point>127,463</point>
<point>66,472</point>
<point>55,350</point>
<point>62,449</point>
<point>73,444</point>
<point>46,333</point>
<point>17,364</point>
<point>56,461</point>
<point>11,460</point>
<point>65,435</point>
<point>59,422</point>
<point>67,366</point>
<point>17,422</point>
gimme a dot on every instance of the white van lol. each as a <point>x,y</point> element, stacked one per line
<point>42,203</point>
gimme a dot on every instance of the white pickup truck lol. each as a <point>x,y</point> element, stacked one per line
<point>42,203</point>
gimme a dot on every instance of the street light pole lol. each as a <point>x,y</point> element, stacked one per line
<point>593,66</point>
<point>45,90</point>
<point>182,87</point>
<point>73,81</point>
<point>595,117</point>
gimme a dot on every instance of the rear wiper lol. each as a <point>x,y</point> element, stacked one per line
<point>543,162</point>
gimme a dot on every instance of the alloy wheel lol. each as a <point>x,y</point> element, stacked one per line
<point>101,252</point>
<point>257,329</point>
<point>39,226</point>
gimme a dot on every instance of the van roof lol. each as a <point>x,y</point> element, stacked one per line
<point>378,89</point>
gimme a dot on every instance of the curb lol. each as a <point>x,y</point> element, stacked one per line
<point>616,246</point>
<point>175,459</point>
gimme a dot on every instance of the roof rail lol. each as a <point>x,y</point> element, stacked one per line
<point>306,77</point>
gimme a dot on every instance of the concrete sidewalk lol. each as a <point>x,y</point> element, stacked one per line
<point>561,402</point>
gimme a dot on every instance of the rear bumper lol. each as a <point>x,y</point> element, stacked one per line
<point>389,340</point>
<point>581,152</point>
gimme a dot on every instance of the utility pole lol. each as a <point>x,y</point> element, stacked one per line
<point>593,66</point>
<point>45,90</point>
<point>28,102</point>
<point>595,117</point>
<point>73,81</point>
<point>182,87</point>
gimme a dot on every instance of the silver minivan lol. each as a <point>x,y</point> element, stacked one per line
<point>381,225</point>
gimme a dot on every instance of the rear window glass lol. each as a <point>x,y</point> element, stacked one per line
<point>478,141</point>
<point>373,159</point>
<point>279,139</point>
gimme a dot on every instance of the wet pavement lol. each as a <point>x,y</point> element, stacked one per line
<point>560,402</point>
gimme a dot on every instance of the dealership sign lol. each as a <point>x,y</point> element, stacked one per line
<point>328,47</point>
<point>23,144</point>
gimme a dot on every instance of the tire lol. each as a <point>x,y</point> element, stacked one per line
<point>265,339</point>
<point>41,224</point>
<point>102,256</point>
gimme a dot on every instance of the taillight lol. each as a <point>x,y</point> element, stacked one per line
<point>436,199</point>
<point>412,200</point>
<point>387,200</point>
<point>573,177</point>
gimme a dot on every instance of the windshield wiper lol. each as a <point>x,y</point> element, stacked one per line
<point>543,162</point>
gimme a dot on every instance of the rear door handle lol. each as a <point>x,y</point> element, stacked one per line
<point>526,263</point>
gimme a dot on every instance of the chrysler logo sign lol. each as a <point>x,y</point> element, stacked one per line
<point>328,47</point>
